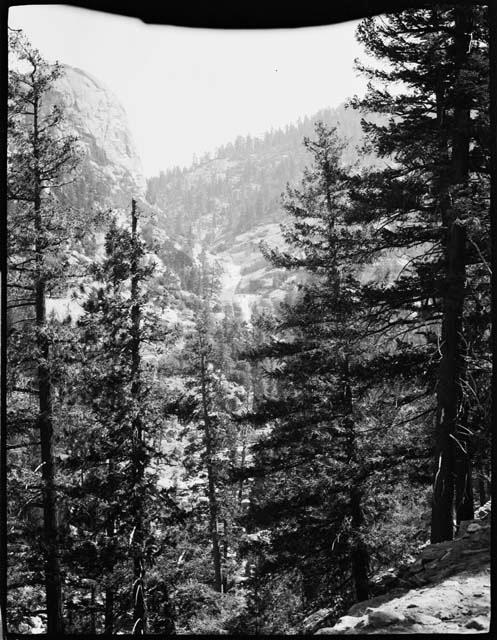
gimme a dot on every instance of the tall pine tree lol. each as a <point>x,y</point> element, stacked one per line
<point>430,203</point>
<point>41,157</point>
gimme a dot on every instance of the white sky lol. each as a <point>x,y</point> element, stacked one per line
<point>187,91</point>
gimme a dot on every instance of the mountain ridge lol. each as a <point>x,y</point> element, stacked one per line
<point>224,204</point>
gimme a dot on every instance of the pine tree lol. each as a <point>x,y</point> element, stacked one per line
<point>211,395</point>
<point>41,158</point>
<point>429,202</point>
<point>322,446</point>
<point>118,327</point>
<point>316,209</point>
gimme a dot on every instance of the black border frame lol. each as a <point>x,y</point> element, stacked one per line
<point>230,14</point>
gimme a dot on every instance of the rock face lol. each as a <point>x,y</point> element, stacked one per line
<point>470,549</point>
<point>317,620</point>
<point>110,169</point>
<point>109,173</point>
<point>231,202</point>
<point>457,605</point>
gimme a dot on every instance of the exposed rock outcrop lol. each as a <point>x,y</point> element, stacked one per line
<point>451,606</point>
<point>111,169</point>
<point>470,549</point>
<point>445,589</point>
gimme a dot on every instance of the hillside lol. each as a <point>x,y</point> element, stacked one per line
<point>240,185</point>
<point>225,203</point>
<point>444,589</point>
<point>252,396</point>
<point>230,201</point>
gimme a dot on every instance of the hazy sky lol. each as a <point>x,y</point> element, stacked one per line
<point>188,91</point>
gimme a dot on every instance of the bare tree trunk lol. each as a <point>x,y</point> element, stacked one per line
<point>449,390</point>
<point>53,581</point>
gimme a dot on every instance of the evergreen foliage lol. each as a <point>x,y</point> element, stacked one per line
<point>41,157</point>
<point>176,466</point>
<point>430,202</point>
<point>330,439</point>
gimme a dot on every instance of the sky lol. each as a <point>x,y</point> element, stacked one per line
<point>188,91</point>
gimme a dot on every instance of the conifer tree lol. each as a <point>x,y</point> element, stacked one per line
<point>117,328</point>
<point>317,459</point>
<point>211,396</point>
<point>41,158</point>
<point>315,209</point>
<point>429,202</point>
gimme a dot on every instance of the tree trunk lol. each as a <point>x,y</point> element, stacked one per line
<point>492,21</point>
<point>484,489</point>
<point>53,581</point>
<point>464,490</point>
<point>93,619</point>
<point>449,393</point>
<point>242,468</point>
<point>211,489</point>
<point>310,586</point>
<point>464,474</point>
<point>109,611</point>
<point>225,556</point>
<point>110,561</point>
<point>359,555</point>
<point>452,467</point>
<point>139,609</point>
<point>213,521</point>
<point>482,494</point>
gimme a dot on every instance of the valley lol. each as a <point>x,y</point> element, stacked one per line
<point>252,394</point>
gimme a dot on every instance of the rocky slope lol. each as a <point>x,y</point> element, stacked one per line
<point>445,589</point>
<point>109,173</point>
<point>226,203</point>
<point>455,605</point>
<point>230,201</point>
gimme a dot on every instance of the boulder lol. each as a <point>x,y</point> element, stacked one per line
<point>384,617</point>
<point>479,624</point>
<point>483,512</point>
<point>316,620</point>
<point>360,608</point>
<point>416,617</point>
<point>416,566</point>
<point>345,624</point>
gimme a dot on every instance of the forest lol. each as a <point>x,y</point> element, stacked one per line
<point>174,467</point>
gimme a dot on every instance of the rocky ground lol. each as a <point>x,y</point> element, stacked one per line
<point>445,589</point>
<point>456,605</point>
